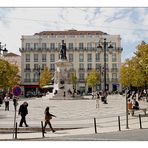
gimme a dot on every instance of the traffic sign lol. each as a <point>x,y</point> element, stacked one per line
<point>16,91</point>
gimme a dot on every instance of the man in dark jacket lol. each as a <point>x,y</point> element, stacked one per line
<point>23,111</point>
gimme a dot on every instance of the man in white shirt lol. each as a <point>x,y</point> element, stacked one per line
<point>6,100</point>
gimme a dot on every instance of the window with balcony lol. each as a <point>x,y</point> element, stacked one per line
<point>27,57</point>
<point>70,45</point>
<point>97,57</point>
<point>81,45</point>
<point>70,57</point>
<point>36,77</point>
<point>89,57</point>
<point>52,45</point>
<point>43,57</point>
<point>81,66</point>
<point>81,57</point>
<point>52,57</point>
<point>81,76</point>
<point>27,77</point>
<point>44,46</point>
<point>27,66</point>
<point>27,45</point>
<point>35,45</point>
<point>59,45</point>
<point>114,57</point>
<point>98,67</point>
<point>52,67</point>
<point>36,66</point>
<point>43,66</point>
<point>89,45</point>
<point>89,66</point>
<point>114,76</point>
<point>114,67</point>
<point>36,57</point>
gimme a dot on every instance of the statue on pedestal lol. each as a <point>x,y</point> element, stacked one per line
<point>63,51</point>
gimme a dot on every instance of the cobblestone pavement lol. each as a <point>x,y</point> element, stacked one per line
<point>77,113</point>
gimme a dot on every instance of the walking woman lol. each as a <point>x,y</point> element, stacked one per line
<point>48,117</point>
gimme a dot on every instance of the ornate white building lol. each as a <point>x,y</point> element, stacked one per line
<point>43,48</point>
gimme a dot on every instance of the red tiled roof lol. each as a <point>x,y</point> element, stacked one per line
<point>71,32</point>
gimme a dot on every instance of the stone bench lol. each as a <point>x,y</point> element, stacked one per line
<point>132,111</point>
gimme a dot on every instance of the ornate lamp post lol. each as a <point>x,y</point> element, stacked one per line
<point>105,45</point>
<point>3,48</point>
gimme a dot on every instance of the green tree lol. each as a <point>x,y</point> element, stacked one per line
<point>134,71</point>
<point>93,79</point>
<point>45,77</point>
<point>8,74</point>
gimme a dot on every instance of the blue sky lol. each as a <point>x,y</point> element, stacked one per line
<point>130,23</point>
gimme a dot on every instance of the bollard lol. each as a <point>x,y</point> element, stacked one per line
<point>95,126</point>
<point>119,123</point>
<point>42,129</point>
<point>140,121</point>
<point>16,130</point>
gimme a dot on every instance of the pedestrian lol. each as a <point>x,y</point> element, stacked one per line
<point>64,95</point>
<point>105,97</point>
<point>1,100</point>
<point>97,100</point>
<point>6,100</point>
<point>136,104</point>
<point>130,105</point>
<point>48,117</point>
<point>23,111</point>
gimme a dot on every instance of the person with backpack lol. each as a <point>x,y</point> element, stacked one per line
<point>48,117</point>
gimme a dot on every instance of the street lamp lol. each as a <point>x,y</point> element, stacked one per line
<point>105,47</point>
<point>3,48</point>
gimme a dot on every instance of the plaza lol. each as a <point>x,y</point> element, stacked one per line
<point>76,117</point>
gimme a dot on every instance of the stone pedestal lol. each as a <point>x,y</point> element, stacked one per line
<point>62,80</point>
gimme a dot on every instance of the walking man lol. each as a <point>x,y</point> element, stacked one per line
<point>48,117</point>
<point>23,111</point>
<point>6,100</point>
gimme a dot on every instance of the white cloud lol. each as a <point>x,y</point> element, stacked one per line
<point>26,21</point>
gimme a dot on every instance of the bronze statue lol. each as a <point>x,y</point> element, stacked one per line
<point>63,51</point>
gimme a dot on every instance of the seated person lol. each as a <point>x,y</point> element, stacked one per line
<point>135,104</point>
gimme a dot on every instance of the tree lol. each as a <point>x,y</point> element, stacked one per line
<point>45,77</point>
<point>8,74</point>
<point>93,79</point>
<point>130,74</point>
<point>74,79</point>
<point>134,71</point>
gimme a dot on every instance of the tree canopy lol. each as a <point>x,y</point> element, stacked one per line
<point>134,71</point>
<point>8,74</point>
<point>93,78</point>
<point>45,77</point>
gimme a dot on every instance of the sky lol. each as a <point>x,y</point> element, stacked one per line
<point>131,23</point>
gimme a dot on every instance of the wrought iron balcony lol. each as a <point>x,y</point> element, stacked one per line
<point>27,80</point>
<point>114,69</point>
<point>27,70</point>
